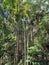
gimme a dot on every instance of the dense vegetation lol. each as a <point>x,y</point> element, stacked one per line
<point>24,31</point>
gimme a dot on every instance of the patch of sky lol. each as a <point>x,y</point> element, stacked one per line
<point>6,13</point>
<point>24,19</point>
<point>48,9</point>
<point>23,1</point>
<point>46,2</point>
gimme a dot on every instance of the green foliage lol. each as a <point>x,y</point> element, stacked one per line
<point>35,16</point>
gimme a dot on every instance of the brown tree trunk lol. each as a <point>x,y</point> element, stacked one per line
<point>16,45</point>
<point>25,45</point>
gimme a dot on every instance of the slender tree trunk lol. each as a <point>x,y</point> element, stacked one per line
<point>31,35</point>
<point>24,44</point>
<point>27,46</point>
<point>17,45</point>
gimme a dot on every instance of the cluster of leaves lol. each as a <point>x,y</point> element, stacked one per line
<point>7,34</point>
<point>40,30</point>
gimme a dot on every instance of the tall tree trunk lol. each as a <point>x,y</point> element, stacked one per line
<point>25,45</point>
<point>17,45</point>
